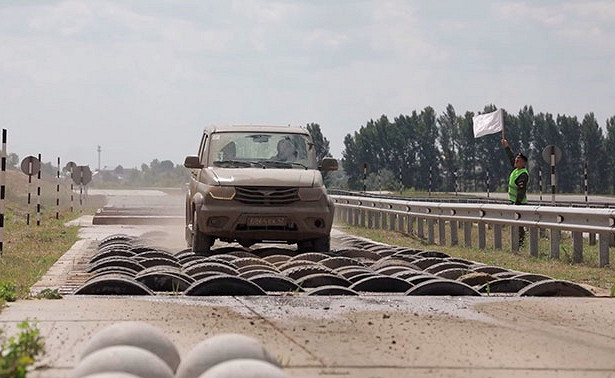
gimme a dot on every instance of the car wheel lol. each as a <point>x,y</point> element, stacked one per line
<point>201,243</point>
<point>322,244</point>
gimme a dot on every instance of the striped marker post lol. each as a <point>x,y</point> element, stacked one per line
<point>585,183</point>
<point>430,181</point>
<point>29,192</point>
<point>487,183</point>
<point>58,191</point>
<point>553,175</point>
<point>2,190</point>
<point>38,195</point>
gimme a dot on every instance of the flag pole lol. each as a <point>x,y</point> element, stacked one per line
<point>502,115</point>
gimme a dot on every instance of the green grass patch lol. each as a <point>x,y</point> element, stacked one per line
<point>29,251</point>
<point>587,272</point>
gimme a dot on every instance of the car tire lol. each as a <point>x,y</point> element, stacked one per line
<point>201,243</point>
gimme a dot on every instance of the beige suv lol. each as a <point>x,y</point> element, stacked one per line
<point>254,184</point>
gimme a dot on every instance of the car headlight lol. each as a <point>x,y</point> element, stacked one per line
<point>222,192</point>
<point>311,194</point>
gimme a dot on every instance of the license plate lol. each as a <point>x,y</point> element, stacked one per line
<point>267,221</point>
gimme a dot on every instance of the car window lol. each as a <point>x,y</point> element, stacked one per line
<point>262,147</point>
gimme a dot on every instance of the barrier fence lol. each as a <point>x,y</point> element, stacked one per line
<point>404,215</point>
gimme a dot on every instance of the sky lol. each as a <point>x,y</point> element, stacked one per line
<point>142,78</point>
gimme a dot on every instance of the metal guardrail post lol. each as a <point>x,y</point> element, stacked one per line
<point>514,238</point>
<point>431,239</point>
<point>410,224</point>
<point>419,228</point>
<point>534,241</point>
<point>467,234</point>
<point>556,237</point>
<point>454,236</point>
<point>577,243</point>
<point>604,249</point>
<point>497,236</point>
<point>385,220</point>
<point>442,231</point>
<point>482,236</point>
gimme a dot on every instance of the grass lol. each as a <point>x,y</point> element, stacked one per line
<point>587,272</point>
<point>30,251</point>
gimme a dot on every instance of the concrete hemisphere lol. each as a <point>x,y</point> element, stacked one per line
<point>221,348</point>
<point>555,288</point>
<point>123,359</point>
<point>223,285</point>
<point>111,284</point>
<point>331,291</point>
<point>244,368</point>
<point>137,334</point>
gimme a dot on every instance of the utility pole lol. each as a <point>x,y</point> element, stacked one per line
<point>99,149</point>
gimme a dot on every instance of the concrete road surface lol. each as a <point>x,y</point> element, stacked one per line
<point>368,336</point>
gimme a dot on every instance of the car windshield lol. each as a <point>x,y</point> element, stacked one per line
<point>261,149</point>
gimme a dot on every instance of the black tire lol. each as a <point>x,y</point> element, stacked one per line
<point>201,243</point>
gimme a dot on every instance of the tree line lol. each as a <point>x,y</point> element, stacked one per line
<point>411,149</point>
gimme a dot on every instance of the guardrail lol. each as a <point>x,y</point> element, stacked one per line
<point>404,215</point>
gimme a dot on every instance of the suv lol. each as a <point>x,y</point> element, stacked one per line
<point>254,184</point>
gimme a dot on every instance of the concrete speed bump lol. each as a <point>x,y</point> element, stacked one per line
<point>331,291</point>
<point>382,284</point>
<point>337,262</point>
<point>223,285</point>
<point>357,253</point>
<point>137,334</point>
<point>504,285</point>
<point>322,279</point>
<point>555,288</point>
<point>221,348</point>
<point>244,368</point>
<point>123,359</point>
<point>110,284</point>
<point>442,287</point>
<point>275,282</point>
<point>302,271</point>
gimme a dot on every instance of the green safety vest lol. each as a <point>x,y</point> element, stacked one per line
<point>512,187</point>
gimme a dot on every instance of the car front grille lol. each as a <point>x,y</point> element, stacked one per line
<point>266,195</point>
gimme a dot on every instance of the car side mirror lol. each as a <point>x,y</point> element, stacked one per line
<point>328,164</point>
<point>193,162</point>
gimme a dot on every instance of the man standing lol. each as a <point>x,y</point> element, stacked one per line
<point>517,181</point>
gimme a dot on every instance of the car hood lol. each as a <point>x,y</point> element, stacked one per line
<point>264,177</point>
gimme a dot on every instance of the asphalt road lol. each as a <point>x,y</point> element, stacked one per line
<point>368,336</point>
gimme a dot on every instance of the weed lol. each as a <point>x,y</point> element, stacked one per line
<point>18,353</point>
<point>8,291</point>
<point>613,290</point>
<point>283,361</point>
<point>49,294</point>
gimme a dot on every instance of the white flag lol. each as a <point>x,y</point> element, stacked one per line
<point>489,123</point>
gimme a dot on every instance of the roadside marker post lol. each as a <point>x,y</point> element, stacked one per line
<point>2,190</point>
<point>38,195</point>
<point>30,166</point>
<point>58,191</point>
